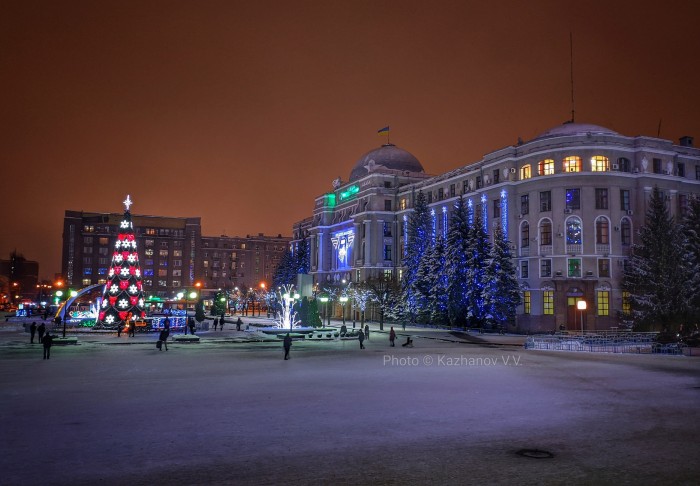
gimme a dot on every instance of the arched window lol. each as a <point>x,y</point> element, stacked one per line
<point>625,232</point>
<point>600,163</point>
<point>572,164</point>
<point>526,172</point>
<point>545,232</point>
<point>525,235</point>
<point>574,231</point>
<point>545,167</point>
<point>602,231</point>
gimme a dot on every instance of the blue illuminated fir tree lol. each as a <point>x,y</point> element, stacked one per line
<point>437,281</point>
<point>420,234</point>
<point>122,298</point>
<point>458,248</point>
<point>502,292</point>
<point>477,261</point>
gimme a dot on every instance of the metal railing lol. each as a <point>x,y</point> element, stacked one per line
<point>604,342</point>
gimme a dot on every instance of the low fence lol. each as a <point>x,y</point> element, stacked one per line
<point>606,342</point>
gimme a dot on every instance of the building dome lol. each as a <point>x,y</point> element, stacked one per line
<point>570,128</point>
<point>388,156</point>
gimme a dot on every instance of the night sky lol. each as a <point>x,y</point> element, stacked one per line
<point>242,112</point>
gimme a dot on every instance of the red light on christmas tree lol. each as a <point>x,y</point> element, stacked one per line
<point>122,297</point>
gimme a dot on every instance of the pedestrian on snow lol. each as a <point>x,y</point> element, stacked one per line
<point>192,326</point>
<point>221,322</point>
<point>216,322</point>
<point>32,330</point>
<point>163,338</point>
<point>367,331</point>
<point>132,329</point>
<point>239,323</point>
<point>392,336</point>
<point>47,342</point>
<point>42,330</point>
<point>119,330</point>
<point>287,345</point>
<point>361,337</point>
<point>404,325</point>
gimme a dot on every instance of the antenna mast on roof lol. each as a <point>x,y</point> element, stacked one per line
<point>571,56</point>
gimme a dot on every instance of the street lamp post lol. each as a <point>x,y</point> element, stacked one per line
<point>73,293</point>
<point>324,299</point>
<point>343,301</point>
<point>581,306</point>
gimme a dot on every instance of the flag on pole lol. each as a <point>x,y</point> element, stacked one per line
<point>383,131</point>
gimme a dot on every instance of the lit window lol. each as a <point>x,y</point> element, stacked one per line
<point>600,164</point>
<point>526,302</point>
<point>545,167</point>
<point>548,302</point>
<point>603,297</point>
<point>545,232</point>
<point>574,234</point>
<point>573,199</point>
<point>525,172</point>
<point>572,164</point>
<point>626,307</point>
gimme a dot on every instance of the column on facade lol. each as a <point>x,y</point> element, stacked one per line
<point>320,266</point>
<point>673,203</point>
<point>312,251</point>
<point>357,255</point>
<point>368,260</point>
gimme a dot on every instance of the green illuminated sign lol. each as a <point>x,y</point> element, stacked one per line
<point>349,192</point>
<point>330,200</point>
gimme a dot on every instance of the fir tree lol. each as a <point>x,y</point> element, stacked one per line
<point>284,274</point>
<point>455,269</point>
<point>420,232</point>
<point>438,299</point>
<point>656,276</point>
<point>302,258</point>
<point>503,290</point>
<point>691,233</point>
<point>218,306</point>
<point>479,250</point>
<point>122,298</point>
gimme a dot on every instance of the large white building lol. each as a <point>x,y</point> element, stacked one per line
<point>570,201</point>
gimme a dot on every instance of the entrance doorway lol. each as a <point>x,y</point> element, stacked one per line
<point>573,315</point>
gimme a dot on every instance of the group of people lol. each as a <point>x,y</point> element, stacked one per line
<point>45,337</point>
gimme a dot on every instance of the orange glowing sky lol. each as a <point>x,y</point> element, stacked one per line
<point>242,112</point>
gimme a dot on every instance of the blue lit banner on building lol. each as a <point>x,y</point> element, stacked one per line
<point>342,245</point>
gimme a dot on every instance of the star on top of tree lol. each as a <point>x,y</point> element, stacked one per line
<point>127,202</point>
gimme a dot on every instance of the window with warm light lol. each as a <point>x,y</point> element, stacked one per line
<point>545,167</point>
<point>603,301</point>
<point>572,164</point>
<point>626,306</point>
<point>526,172</point>
<point>600,163</point>
<point>548,302</point>
<point>526,302</point>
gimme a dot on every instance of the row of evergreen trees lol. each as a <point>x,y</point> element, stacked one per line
<point>662,277</point>
<point>465,280</point>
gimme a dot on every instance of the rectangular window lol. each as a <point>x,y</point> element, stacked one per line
<point>626,307</point>
<point>177,273</point>
<point>163,253</point>
<point>387,274</point>
<point>526,302</point>
<point>680,169</point>
<point>545,267</point>
<point>601,198</point>
<point>572,164</point>
<point>387,204</point>
<point>656,165</point>
<point>683,208</point>
<point>479,182</point>
<point>104,241</point>
<point>430,197</point>
<point>624,199</point>
<point>103,261</point>
<point>452,190</point>
<point>87,260</point>
<point>102,271</point>
<point>163,244</point>
<point>548,302</point>
<point>525,204</point>
<point>177,263</point>
<point>103,251</point>
<point>87,281</point>
<point>387,229</point>
<point>604,267</point>
<point>87,249</point>
<point>148,243</point>
<point>496,208</point>
<point>465,185</point>
<point>176,283</point>
<point>387,252</point>
<point>148,261</point>
<point>603,298</point>
<point>441,194</point>
<point>526,172</point>
<point>404,203</point>
<point>87,271</point>
<point>574,267</point>
<point>177,253</point>
<point>697,172</point>
<point>546,201</point>
<point>524,269</point>
<point>573,199</point>
<point>147,272</point>
<point>496,176</point>
<point>162,283</point>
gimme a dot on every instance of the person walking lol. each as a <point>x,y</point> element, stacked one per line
<point>32,330</point>
<point>367,331</point>
<point>192,326</point>
<point>163,338</point>
<point>216,322</point>
<point>287,345</point>
<point>132,329</point>
<point>47,342</point>
<point>403,324</point>
<point>239,323</point>
<point>221,321</point>
<point>41,329</point>
<point>392,336</point>
<point>361,337</point>
<point>119,330</point>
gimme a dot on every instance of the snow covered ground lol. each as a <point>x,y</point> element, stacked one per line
<point>442,412</point>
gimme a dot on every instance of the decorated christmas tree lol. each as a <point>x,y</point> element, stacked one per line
<point>122,298</point>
